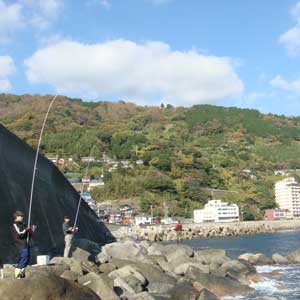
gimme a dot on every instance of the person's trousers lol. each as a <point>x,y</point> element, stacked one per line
<point>68,244</point>
<point>22,262</point>
<point>24,258</point>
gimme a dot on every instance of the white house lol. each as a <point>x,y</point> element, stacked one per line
<point>143,220</point>
<point>95,183</point>
<point>217,211</point>
<point>88,159</point>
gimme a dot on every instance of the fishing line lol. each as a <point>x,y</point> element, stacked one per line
<point>80,197</point>
<point>36,159</point>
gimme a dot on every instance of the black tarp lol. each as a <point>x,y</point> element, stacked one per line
<point>53,198</point>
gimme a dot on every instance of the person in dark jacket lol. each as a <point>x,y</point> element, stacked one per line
<point>68,234</point>
<point>22,235</point>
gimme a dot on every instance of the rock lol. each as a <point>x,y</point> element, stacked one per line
<point>184,291</point>
<point>87,260</point>
<point>87,245</point>
<point>237,265</point>
<point>74,265</point>
<point>127,250</point>
<point>294,257</point>
<point>175,252</point>
<point>100,284</point>
<point>69,275</point>
<point>279,259</point>
<point>207,295</point>
<point>107,268</point>
<point>41,287</point>
<point>127,271</point>
<point>56,269</point>
<point>183,268</point>
<point>211,256</point>
<point>221,286</point>
<point>158,281</point>
<point>142,296</point>
<point>256,259</point>
<point>129,284</point>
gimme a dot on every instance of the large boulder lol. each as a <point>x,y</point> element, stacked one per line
<point>44,287</point>
<point>294,257</point>
<point>211,256</point>
<point>53,198</point>
<point>127,250</point>
<point>75,265</point>
<point>240,270</point>
<point>87,260</point>
<point>207,295</point>
<point>184,291</point>
<point>220,286</point>
<point>100,284</point>
<point>280,259</point>
<point>158,282</point>
<point>256,259</point>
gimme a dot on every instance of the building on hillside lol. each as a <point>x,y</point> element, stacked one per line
<point>277,214</point>
<point>87,197</point>
<point>54,159</point>
<point>287,195</point>
<point>281,172</point>
<point>144,220</point>
<point>95,183</point>
<point>88,159</point>
<point>217,211</point>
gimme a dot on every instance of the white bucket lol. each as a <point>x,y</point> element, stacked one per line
<point>43,260</point>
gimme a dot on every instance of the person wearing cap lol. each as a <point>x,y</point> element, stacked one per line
<point>22,235</point>
<point>68,233</point>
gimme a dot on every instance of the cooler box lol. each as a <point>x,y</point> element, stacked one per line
<point>43,260</point>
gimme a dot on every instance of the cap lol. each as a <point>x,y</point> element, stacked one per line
<point>18,213</point>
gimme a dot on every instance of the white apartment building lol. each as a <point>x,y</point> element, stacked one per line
<point>287,195</point>
<point>217,211</point>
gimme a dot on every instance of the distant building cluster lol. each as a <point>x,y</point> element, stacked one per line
<point>217,211</point>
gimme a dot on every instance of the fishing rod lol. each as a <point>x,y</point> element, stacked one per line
<point>36,159</point>
<point>80,197</point>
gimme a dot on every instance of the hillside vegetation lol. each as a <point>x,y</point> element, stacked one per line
<point>186,151</point>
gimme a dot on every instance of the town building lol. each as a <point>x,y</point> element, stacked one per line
<point>88,159</point>
<point>144,220</point>
<point>277,214</point>
<point>217,211</point>
<point>287,195</point>
<point>94,183</point>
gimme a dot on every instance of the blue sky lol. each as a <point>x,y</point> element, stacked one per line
<point>183,52</point>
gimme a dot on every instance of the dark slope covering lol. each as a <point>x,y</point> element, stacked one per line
<point>53,198</point>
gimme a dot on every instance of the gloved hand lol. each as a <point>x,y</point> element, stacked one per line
<point>28,229</point>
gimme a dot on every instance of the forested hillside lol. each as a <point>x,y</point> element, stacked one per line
<point>186,151</point>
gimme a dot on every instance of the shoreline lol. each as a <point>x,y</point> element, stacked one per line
<point>203,230</point>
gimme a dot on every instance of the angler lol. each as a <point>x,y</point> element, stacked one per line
<point>22,236</point>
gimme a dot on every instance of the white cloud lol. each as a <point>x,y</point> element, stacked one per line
<point>7,68</point>
<point>291,41</point>
<point>121,68</point>
<point>10,20</point>
<point>41,13</point>
<point>281,83</point>
<point>291,38</point>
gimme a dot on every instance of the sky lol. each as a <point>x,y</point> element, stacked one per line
<point>243,53</point>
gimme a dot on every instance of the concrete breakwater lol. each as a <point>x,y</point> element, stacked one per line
<point>203,230</point>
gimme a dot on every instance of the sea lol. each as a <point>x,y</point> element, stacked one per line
<point>280,282</point>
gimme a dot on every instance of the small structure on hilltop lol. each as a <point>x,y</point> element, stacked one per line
<point>217,211</point>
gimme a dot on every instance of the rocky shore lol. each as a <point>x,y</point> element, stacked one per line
<point>203,230</point>
<point>140,271</point>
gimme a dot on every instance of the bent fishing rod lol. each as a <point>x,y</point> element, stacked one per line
<point>80,197</point>
<point>36,160</point>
